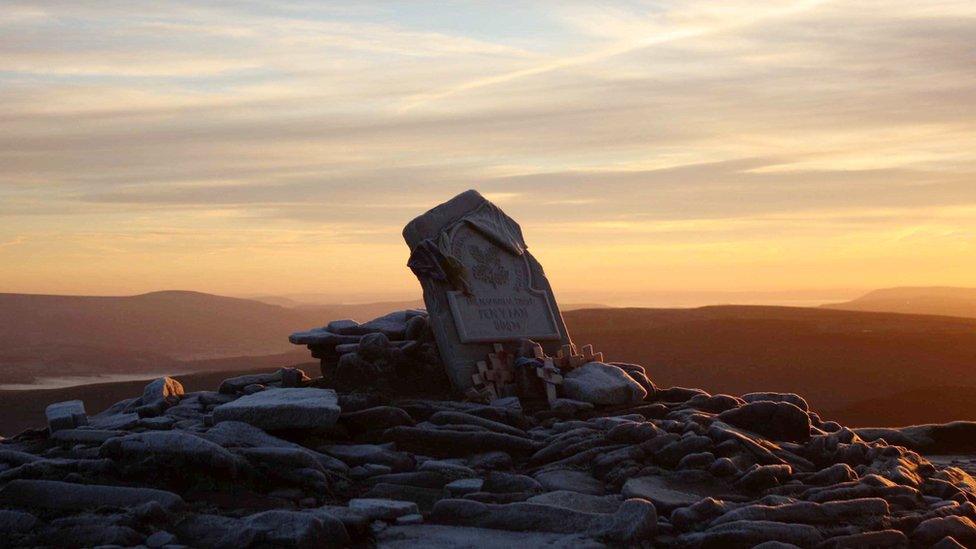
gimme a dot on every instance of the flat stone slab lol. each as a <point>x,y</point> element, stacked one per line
<point>50,494</point>
<point>279,409</point>
<point>66,415</point>
<point>579,502</point>
<point>435,536</point>
<point>85,436</point>
<point>383,509</point>
<point>666,494</point>
<point>574,481</point>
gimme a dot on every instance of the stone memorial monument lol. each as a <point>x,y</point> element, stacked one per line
<point>481,285</point>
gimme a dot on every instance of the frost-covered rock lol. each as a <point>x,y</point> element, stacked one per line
<point>172,450</point>
<point>775,420</point>
<point>50,494</point>
<point>602,384</point>
<point>280,409</point>
<point>66,415</point>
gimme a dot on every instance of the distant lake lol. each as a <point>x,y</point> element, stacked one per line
<point>74,381</point>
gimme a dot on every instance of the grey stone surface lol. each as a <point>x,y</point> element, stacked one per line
<point>435,536</point>
<point>664,494</point>
<point>161,389</point>
<point>776,420</point>
<point>278,409</point>
<point>374,454</point>
<point>383,509</point>
<point>66,415</point>
<point>172,449</point>
<point>50,494</point>
<point>602,384</point>
<point>15,522</point>
<point>579,501</point>
<point>500,295</point>
<point>237,384</point>
<point>634,521</point>
<point>279,528</point>
<point>574,481</point>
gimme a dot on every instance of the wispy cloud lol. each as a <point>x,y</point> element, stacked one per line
<point>651,126</point>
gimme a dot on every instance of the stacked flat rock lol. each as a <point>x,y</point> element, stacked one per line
<point>292,464</point>
<point>376,355</point>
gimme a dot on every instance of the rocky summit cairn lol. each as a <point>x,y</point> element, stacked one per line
<point>546,446</point>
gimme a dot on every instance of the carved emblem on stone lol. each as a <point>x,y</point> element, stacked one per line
<point>488,268</point>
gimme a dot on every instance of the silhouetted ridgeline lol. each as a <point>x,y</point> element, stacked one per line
<point>924,300</point>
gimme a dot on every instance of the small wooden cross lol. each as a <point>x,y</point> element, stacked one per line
<point>551,377</point>
<point>495,373</point>
<point>589,356</point>
<point>567,358</point>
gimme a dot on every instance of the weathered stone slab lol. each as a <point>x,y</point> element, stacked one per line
<point>277,409</point>
<point>50,494</point>
<point>66,415</point>
<point>481,285</point>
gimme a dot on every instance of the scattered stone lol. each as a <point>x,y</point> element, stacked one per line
<point>49,494</point>
<point>425,498</point>
<point>84,436</point>
<point>160,539</point>
<point>747,533</point>
<point>450,443</point>
<point>365,454</point>
<point>775,420</point>
<point>579,501</point>
<point>633,521</point>
<point>383,509</point>
<point>792,398</point>
<point>569,480</point>
<point>15,522</point>
<point>172,449</point>
<point>662,493</point>
<point>281,409</point>
<point>570,407</point>
<point>158,395</point>
<point>279,528</point>
<point>375,419</point>
<point>510,483</point>
<point>236,385</point>
<point>414,518</point>
<point>464,486</point>
<point>436,536</point>
<point>66,415</point>
<point>961,529</point>
<point>602,384</point>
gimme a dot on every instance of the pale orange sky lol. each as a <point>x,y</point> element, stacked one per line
<point>645,147</point>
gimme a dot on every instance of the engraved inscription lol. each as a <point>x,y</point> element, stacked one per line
<point>502,305</point>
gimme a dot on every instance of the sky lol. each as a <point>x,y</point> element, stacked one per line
<point>796,149</point>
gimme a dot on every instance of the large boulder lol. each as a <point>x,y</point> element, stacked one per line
<point>282,409</point>
<point>774,420</point>
<point>602,384</point>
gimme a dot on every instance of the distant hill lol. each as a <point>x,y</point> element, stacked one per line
<point>932,300</point>
<point>834,358</point>
<point>918,406</point>
<point>838,359</point>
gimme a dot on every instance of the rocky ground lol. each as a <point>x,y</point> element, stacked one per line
<point>279,459</point>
